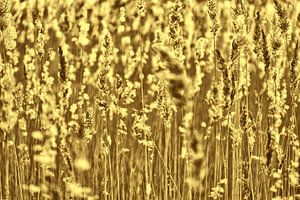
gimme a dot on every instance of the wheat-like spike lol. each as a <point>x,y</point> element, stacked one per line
<point>176,76</point>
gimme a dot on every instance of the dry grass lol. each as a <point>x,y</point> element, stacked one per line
<point>149,99</point>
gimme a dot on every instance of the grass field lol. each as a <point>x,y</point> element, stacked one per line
<point>149,99</point>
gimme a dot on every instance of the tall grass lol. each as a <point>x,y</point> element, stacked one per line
<point>149,99</point>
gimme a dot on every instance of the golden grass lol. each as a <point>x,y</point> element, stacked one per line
<point>148,99</point>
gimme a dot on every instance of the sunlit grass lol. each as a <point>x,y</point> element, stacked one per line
<point>149,99</point>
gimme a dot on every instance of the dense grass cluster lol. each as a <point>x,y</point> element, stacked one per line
<point>149,99</point>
